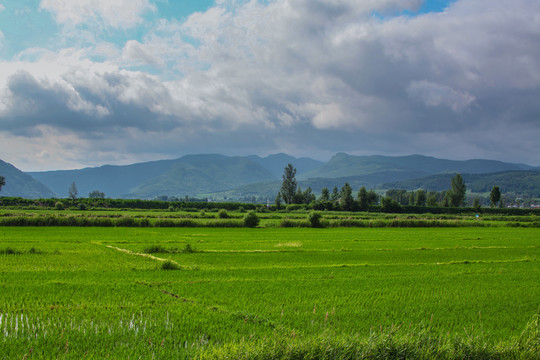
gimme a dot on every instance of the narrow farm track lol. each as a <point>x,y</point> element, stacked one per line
<point>129,252</point>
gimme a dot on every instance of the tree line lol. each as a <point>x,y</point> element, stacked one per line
<point>343,199</point>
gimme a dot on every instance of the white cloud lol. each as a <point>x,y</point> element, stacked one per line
<point>309,75</point>
<point>432,94</point>
<point>2,8</point>
<point>111,13</point>
<point>136,53</point>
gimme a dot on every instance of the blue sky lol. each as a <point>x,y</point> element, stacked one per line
<point>25,25</point>
<point>86,83</point>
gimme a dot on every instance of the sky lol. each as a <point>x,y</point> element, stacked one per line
<point>93,82</point>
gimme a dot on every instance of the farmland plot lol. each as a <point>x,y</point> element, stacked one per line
<point>102,292</point>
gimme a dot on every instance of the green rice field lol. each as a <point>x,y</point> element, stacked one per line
<point>174,293</point>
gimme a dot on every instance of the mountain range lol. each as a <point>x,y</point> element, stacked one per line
<point>19,183</point>
<point>237,177</point>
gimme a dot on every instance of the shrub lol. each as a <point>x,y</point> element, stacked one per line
<point>223,214</point>
<point>188,249</point>
<point>315,219</point>
<point>59,205</point>
<point>81,206</point>
<point>251,219</point>
<point>295,207</point>
<point>170,265</point>
<point>33,250</point>
<point>9,251</point>
<point>155,249</point>
<point>390,206</point>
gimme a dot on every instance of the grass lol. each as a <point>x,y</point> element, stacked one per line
<point>266,293</point>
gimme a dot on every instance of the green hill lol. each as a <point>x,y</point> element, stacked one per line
<point>523,183</point>
<point>277,162</point>
<point>189,175</point>
<point>238,177</point>
<point>197,174</point>
<point>395,168</point>
<point>114,181</point>
<point>20,184</point>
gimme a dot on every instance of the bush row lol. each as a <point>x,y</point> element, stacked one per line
<point>125,204</point>
<point>249,220</point>
<point>113,222</point>
<point>400,223</point>
<point>87,203</point>
<point>314,220</point>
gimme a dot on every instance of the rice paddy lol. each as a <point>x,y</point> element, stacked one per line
<point>73,293</point>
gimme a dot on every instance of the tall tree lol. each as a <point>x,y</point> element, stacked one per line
<point>420,198</point>
<point>335,194</point>
<point>372,197</point>
<point>73,192</point>
<point>325,194</point>
<point>298,196</point>
<point>308,196</point>
<point>2,182</point>
<point>458,190</point>
<point>288,185</point>
<point>363,198</point>
<point>495,196</point>
<point>347,200</point>
<point>476,203</point>
<point>411,198</point>
<point>432,198</point>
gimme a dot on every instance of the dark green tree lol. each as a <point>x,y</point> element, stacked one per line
<point>432,199</point>
<point>372,197</point>
<point>288,185</point>
<point>398,195</point>
<point>2,182</point>
<point>298,196</point>
<point>411,198</point>
<point>363,198</point>
<point>390,205</point>
<point>347,200</point>
<point>335,194</point>
<point>457,191</point>
<point>476,204</point>
<point>325,194</point>
<point>447,199</point>
<point>420,198</point>
<point>308,196</point>
<point>495,196</point>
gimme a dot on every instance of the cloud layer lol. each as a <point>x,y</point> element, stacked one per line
<point>308,77</point>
